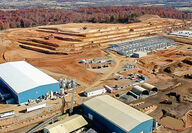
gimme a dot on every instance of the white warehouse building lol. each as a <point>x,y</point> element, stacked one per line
<point>139,54</point>
<point>94,92</point>
<point>23,81</point>
<point>183,33</point>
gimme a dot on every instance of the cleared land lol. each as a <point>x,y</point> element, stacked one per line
<point>57,49</point>
<point>65,44</point>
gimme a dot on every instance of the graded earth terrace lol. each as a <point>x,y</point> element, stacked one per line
<point>141,64</point>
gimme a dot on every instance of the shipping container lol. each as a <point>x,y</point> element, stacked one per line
<point>7,114</point>
<point>35,107</point>
<point>109,89</point>
<point>95,92</point>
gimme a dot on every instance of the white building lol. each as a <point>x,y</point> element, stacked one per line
<point>183,33</point>
<point>139,54</point>
<point>7,114</point>
<point>25,81</point>
<point>35,107</point>
<point>95,92</point>
<point>68,125</point>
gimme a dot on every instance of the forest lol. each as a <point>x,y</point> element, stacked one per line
<point>117,14</point>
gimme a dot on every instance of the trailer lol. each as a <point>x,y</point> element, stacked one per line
<point>7,114</point>
<point>35,107</point>
<point>94,92</point>
<point>109,89</point>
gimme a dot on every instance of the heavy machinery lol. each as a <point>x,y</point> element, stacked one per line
<point>177,96</point>
<point>166,113</point>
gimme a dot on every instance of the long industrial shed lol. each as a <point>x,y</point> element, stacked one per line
<point>115,116</point>
<point>25,82</point>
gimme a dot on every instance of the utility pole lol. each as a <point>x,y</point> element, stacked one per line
<point>72,97</point>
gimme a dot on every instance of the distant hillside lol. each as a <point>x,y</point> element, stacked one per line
<point>74,4</point>
<point>117,14</point>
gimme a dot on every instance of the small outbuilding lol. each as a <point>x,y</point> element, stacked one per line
<point>68,125</point>
<point>95,91</point>
<point>112,115</point>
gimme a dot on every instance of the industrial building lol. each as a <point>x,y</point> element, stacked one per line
<point>139,90</point>
<point>139,54</point>
<point>146,44</point>
<point>23,82</point>
<point>114,116</point>
<point>183,33</point>
<point>149,87</point>
<point>68,125</point>
<point>95,91</point>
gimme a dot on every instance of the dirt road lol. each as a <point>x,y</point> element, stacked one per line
<point>117,62</point>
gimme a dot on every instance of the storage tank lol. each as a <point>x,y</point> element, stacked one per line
<point>139,90</point>
<point>62,91</point>
<point>60,80</point>
<point>149,87</point>
<point>63,85</point>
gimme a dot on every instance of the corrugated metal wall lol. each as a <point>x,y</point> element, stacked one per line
<point>145,127</point>
<point>33,93</point>
<point>103,124</point>
<point>37,92</point>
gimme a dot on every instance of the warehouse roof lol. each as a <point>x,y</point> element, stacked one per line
<point>21,76</point>
<point>122,115</point>
<point>183,33</point>
<point>67,125</point>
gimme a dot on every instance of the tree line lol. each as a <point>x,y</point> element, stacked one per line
<point>111,14</point>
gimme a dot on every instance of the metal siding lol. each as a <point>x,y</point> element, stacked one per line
<point>106,124</point>
<point>22,76</point>
<point>37,92</point>
<point>116,112</point>
<point>146,127</point>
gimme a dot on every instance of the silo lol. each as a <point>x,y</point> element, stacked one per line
<point>60,82</point>
<point>62,91</point>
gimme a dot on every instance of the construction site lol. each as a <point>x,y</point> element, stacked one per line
<point>145,65</point>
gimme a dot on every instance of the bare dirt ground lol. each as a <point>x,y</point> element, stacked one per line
<point>171,122</point>
<point>91,43</point>
<point>62,64</point>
